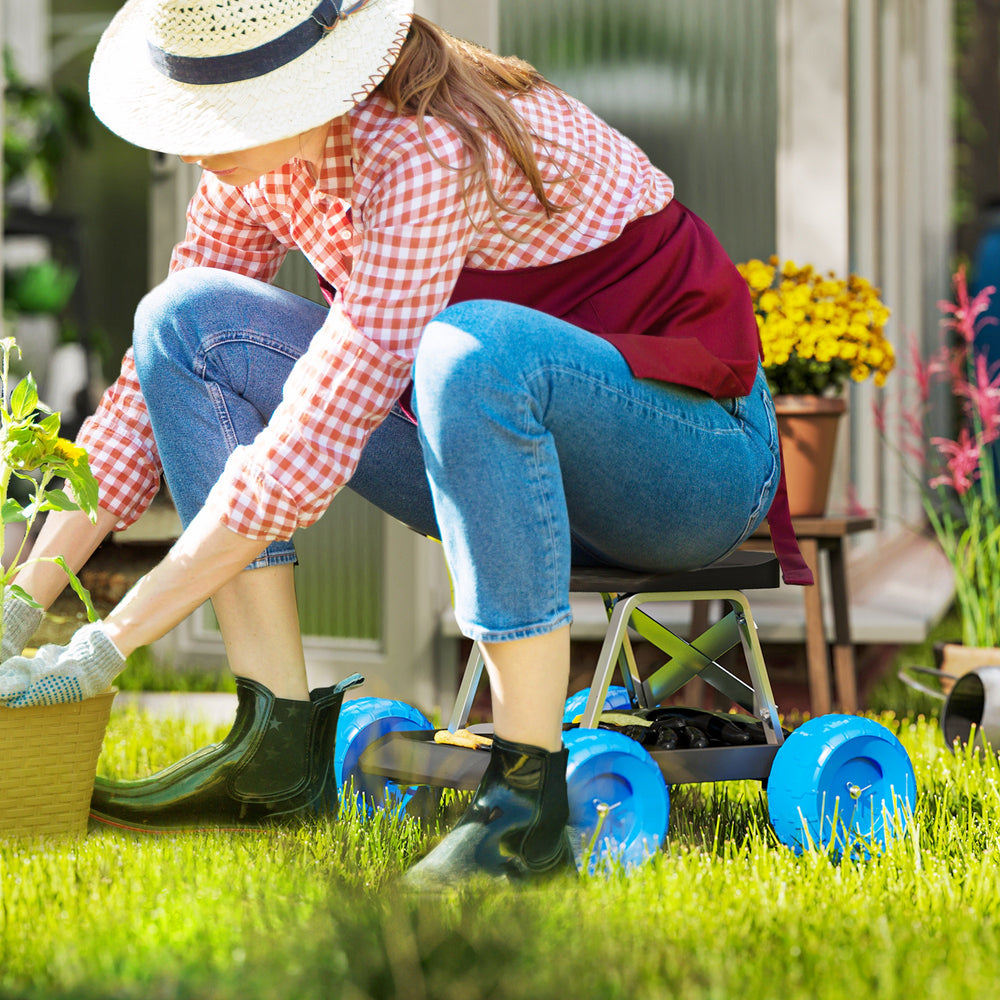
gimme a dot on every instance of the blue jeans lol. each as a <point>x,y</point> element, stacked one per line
<point>536,448</point>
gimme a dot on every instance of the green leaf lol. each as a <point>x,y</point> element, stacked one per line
<point>24,398</point>
<point>11,512</point>
<point>85,488</point>
<point>19,433</point>
<point>24,447</point>
<point>58,500</point>
<point>49,426</point>
<point>79,589</point>
<point>25,596</point>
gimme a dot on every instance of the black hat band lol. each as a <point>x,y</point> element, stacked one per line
<point>272,55</point>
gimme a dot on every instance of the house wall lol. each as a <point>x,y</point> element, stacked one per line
<point>876,198</point>
<point>865,184</point>
<point>26,34</point>
<point>818,130</point>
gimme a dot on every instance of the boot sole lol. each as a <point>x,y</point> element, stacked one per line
<point>277,823</point>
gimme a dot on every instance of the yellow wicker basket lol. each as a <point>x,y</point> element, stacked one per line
<point>48,759</point>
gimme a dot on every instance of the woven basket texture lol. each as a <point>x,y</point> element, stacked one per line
<point>48,759</point>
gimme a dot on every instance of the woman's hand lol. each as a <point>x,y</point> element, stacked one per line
<point>20,623</point>
<point>205,558</point>
<point>56,674</point>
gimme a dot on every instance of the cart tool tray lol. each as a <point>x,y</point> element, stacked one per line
<point>413,758</point>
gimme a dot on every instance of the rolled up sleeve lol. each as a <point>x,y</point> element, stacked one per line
<point>119,441</point>
<point>414,229</point>
<point>337,393</point>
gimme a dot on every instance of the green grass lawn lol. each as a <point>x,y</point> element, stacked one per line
<point>723,912</point>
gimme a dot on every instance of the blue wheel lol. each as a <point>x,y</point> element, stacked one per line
<point>837,781</point>
<point>616,698</point>
<point>362,721</point>
<point>618,801</point>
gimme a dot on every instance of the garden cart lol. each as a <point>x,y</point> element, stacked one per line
<point>834,781</point>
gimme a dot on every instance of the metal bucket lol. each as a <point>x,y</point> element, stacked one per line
<point>974,701</point>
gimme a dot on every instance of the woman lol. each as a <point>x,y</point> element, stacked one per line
<point>532,351</point>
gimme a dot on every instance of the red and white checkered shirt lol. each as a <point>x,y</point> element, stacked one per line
<point>386,223</point>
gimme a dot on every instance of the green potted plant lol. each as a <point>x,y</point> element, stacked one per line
<point>41,126</point>
<point>48,753</point>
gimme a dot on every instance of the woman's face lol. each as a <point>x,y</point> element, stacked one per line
<point>246,165</point>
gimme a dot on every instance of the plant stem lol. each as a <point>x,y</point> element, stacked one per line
<point>4,482</point>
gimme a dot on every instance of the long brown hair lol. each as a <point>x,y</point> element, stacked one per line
<point>467,87</point>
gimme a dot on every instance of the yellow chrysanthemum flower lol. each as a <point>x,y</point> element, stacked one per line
<point>817,330</point>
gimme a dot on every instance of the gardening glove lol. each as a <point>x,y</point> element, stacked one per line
<point>20,622</point>
<point>55,674</point>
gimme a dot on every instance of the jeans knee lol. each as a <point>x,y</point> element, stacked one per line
<point>169,320</point>
<point>460,351</point>
<point>442,358</point>
<point>155,331</point>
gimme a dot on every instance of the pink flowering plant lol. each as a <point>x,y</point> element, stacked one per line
<point>958,476</point>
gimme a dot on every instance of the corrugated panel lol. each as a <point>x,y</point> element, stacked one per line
<point>296,275</point>
<point>694,84</point>
<point>338,581</point>
<point>339,578</point>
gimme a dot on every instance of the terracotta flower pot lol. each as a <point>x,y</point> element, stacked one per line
<point>48,760</point>
<point>808,428</point>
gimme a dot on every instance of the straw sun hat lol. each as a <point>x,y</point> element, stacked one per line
<point>201,77</point>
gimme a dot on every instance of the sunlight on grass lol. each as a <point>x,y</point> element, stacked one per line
<point>723,911</point>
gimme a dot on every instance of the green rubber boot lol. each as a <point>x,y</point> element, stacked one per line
<point>515,829</point>
<point>274,765</point>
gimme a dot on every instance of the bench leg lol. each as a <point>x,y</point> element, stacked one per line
<point>817,658</point>
<point>843,647</point>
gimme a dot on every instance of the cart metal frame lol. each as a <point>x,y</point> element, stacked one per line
<point>413,758</point>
